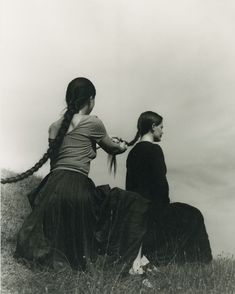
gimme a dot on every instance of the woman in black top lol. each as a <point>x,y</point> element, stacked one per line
<point>176,230</point>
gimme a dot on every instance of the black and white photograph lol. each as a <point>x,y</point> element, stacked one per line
<point>117,146</point>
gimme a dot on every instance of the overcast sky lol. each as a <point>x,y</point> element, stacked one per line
<point>173,57</point>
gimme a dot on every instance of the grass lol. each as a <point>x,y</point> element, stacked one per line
<point>217,277</point>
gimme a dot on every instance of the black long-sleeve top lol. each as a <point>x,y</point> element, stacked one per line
<point>146,173</point>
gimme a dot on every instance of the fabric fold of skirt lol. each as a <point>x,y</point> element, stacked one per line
<point>72,221</point>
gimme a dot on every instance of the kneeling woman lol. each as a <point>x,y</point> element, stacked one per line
<point>176,230</point>
<point>72,220</point>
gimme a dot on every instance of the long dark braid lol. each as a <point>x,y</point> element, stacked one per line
<point>54,146</point>
<point>78,92</point>
<point>136,138</point>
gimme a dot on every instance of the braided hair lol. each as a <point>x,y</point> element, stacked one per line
<point>78,93</point>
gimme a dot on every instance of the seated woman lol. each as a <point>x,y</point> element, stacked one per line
<point>176,230</point>
<point>72,221</point>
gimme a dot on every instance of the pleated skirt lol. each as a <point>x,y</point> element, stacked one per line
<point>73,221</point>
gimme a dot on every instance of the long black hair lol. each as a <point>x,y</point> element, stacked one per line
<point>144,124</point>
<point>78,93</point>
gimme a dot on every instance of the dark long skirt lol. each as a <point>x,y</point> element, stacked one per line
<point>72,221</point>
<point>177,233</point>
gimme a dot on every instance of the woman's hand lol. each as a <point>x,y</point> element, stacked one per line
<point>113,145</point>
<point>115,139</point>
<point>123,146</point>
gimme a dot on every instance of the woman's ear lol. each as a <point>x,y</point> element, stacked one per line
<point>153,127</point>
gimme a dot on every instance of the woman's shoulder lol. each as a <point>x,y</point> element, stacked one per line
<point>94,119</point>
<point>148,146</point>
<point>155,149</point>
<point>157,146</point>
<point>95,128</point>
<point>146,149</point>
<point>95,122</point>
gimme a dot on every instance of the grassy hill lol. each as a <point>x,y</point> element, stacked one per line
<point>217,277</point>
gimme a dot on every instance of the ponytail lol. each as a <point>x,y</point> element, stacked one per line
<point>52,151</point>
<point>131,143</point>
<point>144,124</point>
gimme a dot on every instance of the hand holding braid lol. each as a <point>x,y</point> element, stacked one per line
<point>112,158</point>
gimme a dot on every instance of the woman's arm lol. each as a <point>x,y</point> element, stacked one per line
<point>97,132</point>
<point>111,147</point>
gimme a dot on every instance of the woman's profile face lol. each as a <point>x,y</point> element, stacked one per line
<point>157,132</point>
